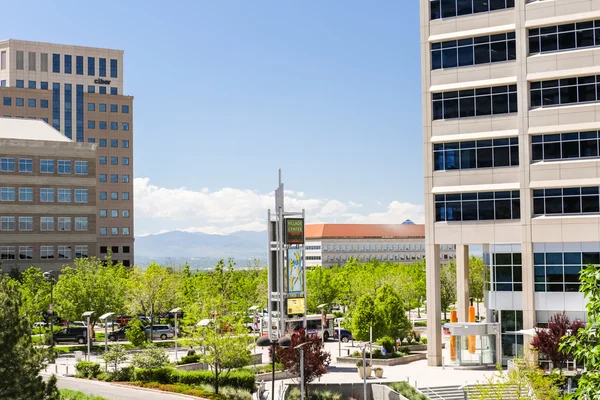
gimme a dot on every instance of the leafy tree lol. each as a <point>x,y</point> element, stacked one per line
<point>364,316</point>
<point>90,285</point>
<point>322,288</point>
<point>585,345</point>
<point>393,316</point>
<point>20,361</point>
<point>150,357</point>
<point>152,290</point>
<point>547,341</point>
<point>477,277</point>
<point>35,291</point>
<point>447,286</point>
<point>116,355</point>
<point>316,359</point>
<point>135,334</point>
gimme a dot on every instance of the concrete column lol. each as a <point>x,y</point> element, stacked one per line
<point>434,306</point>
<point>462,282</point>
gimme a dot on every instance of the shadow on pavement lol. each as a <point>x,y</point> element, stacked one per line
<point>341,369</point>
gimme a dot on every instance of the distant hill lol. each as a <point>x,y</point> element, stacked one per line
<point>200,249</point>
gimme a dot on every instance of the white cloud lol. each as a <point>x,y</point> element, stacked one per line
<point>228,210</point>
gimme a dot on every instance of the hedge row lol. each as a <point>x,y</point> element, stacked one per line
<point>240,379</point>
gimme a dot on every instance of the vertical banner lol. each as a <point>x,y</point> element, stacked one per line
<point>294,231</point>
<point>295,282</point>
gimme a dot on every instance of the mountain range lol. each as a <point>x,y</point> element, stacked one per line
<point>200,249</point>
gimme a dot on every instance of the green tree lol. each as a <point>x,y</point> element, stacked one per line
<point>320,288</point>
<point>447,286</point>
<point>152,290</point>
<point>585,345</point>
<point>151,357</point>
<point>364,316</point>
<point>393,316</point>
<point>135,334</point>
<point>20,361</point>
<point>90,285</point>
<point>35,291</point>
<point>477,277</point>
<point>116,355</point>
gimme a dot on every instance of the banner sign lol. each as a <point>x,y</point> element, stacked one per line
<point>295,306</point>
<point>294,231</point>
<point>295,283</point>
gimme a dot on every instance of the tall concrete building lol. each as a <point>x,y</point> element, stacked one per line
<point>333,244</point>
<point>511,121</point>
<point>80,92</point>
<point>47,196</point>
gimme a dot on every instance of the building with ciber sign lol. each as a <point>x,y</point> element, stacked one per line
<point>333,244</point>
<point>80,92</point>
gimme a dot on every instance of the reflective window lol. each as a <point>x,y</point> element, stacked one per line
<point>44,85</point>
<point>25,194</point>
<point>102,178</point>
<point>31,84</point>
<point>565,146</point>
<point>7,101</point>
<point>114,126</point>
<point>559,272</point>
<point>64,166</point>
<point>113,91</point>
<point>114,196</point>
<point>20,102</point>
<point>25,165</point>
<point>91,89</point>
<point>102,90</point>
<point>103,196</point>
<point>31,103</point>
<point>79,65</point>
<point>64,223</point>
<point>102,160</point>
<point>47,166</point>
<point>114,142</point>
<point>7,194</point>
<point>64,195</point>
<point>452,8</point>
<point>114,178</point>
<point>102,107</point>
<point>473,51</point>
<point>81,167</point>
<point>43,103</point>
<point>125,143</point>
<point>91,125</point>
<point>56,105</point>
<point>20,83</point>
<point>81,223</point>
<point>477,206</point>
<point>582,200</point>
<point>102,67</point>
<point>7,164</point>
<point>125,126</point>
<point>125,195</point>
<point>81,195</point>
<point>125,109</point>
<point>91,106</point>
<point>102,142</point>
<point>564,91</point>
<point>25,223</point>
<point>81,251</point>
<point>475,102</point>
<point>56,63</point>
<point>47,195</point>
<point>47,252</point>
<point>564,37</point>
<point>68,63</point>
<point>114,161</point>
<point>91,66</point>
<point>114,108</point>
<point>8,223</point>
<point>113,68</point>
<point>47,223</point>
<point>102,124</point>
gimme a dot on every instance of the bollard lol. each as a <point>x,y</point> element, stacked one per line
<point>56,368</point>
<point>67,374</point>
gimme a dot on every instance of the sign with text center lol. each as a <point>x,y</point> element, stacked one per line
<point>294,231</point>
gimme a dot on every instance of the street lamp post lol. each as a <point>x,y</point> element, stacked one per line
<point>49,277</point>
<point>284,342</point>
<point>104,318</point>
<point>87,315</point>
<point>301,348</point>
<point>176,311</point>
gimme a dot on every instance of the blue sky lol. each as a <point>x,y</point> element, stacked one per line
<point>226,92</point>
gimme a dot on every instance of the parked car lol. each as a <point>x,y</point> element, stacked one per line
<point>80,324</point>
<point>71,334</point>
<point>117,335</point>
<point>39,324</point>
<point>160,331</point>
<point>345,334</point>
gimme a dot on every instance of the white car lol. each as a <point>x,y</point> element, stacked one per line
<point>39,324</point>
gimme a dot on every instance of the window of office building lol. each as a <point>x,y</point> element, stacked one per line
<point>81,195</point>
<point>453,8</point>
<point>20,102</point>
<point>114,161</point>
<point>102,107</point>
<point>505,273</point>
<point>102,160</point>
<point>512,344</point>
<point>476,154</point>
<point>114,126</point>
<point>125,109</point>
<point>565,146</point>
<point>102,90</point>
<point>20,60</point>
<point>64,223</point>
<point>114,108</point>
<point>125,126</point>
<point>7,101</point>
<point>581,200</point>
<point>114,231</point>
<point>20,83</point>
<point>7,194</point>
<point>102,143</point>
<point>2,60</point>
<point>31,103</point>
<point>25,194</point>
<point>477,206</point>
<point>473,51</point>
<point>64,166</point>
<point>68,111</point>
<point>114,196</point>
<point>81,252</point>
<point>91,106</point>
<point>25,165</point>
<point>47,166</point>
<point>81,167</point>
<point>31,84</point>
<point>559,271</point>
<point>47,195</point>
<point>56,63</point>
<point>7,252</point>
<point>114,142</point>
<point>102,178</point>
<point>7,223</point>
<point>91,66</point>
<point>103,125</point>
<point>7,164</point>
<point>31,58</point>
<point>64,195</point>
<point>125,160</point>
<point>102,66</point>
<point>47,252</point>
<point>113,91</point>
<point>114,178</point>
<point>564,37</point>
<point>103,231</point>
<point>125,195</point>
<point>103,196</point>
<point>125,213</point>
<point>495,100</point>
<point>47,223</point>
<point>113,68</point>
<point>44,62</point>
<point>125,178</point>
<point>564,91</point>
<point>25,223</point>
<point>25,252</point>
<point>103,214</point>
<point>79,65</point>
<point>64,252</point>
<point>81,223</point>
<point>56,105</point>
<point>114,213</point>
<point>91,125</point>
<point>68,63</point>
<point>43,103</point>
<point>125,143</point>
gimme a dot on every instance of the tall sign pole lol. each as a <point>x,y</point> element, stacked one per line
<point>286,261</point>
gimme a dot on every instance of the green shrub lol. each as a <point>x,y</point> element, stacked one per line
<point>388,343</point>
<point>87,369</point>
<point>150,358</point>
<point>235,394</point>
<point>377,353</point>
<point>194,358</point>
<point>125,374</point>
<point>414,337</point>
<point>66,394</point>
<point>294,394</point>
<point>404,349</point>
<point>421,323</point>
<point>160,375</point>
<point>424,340</point>
<point>135,334</point>
<point>407,391</point>
<point>239,379</point>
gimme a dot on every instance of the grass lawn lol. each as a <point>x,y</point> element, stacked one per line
<point>66,394</point>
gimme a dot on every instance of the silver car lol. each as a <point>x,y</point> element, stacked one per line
<point>160,331</point>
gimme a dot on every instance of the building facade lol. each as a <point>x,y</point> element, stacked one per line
<point>328,245</point>
<point>80,92</point>
<point>47,196</point>
<point>510,127</point>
